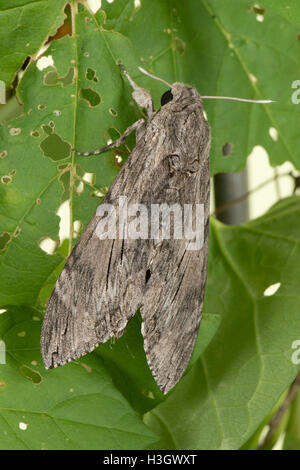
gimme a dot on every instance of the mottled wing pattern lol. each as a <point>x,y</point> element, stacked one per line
<point>104,282</point>
<point>100,287</point>
<point>172,304</point>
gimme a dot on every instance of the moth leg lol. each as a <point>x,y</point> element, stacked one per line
<point>140,95</point>
<point>136,126</point>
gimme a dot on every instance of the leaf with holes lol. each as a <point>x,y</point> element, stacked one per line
<point>81,100</point>
<point>223,48</point>
<point>76,407</point>
<point>37,169</point>
<point>24,27</point>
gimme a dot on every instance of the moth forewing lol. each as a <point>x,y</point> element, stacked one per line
<point>172,305</point>
<point>105,281</point>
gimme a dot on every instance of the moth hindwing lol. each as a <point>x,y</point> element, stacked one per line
<point>107,278</point>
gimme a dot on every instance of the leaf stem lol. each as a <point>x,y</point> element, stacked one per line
<point>276,420</point>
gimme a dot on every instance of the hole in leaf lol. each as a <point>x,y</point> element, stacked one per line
<point>2,310</point>
<point>91,75</point>
<point>89,178</point>
<point>259,12</point>
<point>44,62</point>
<point>68,79</point>
<point>113,112</point>
<point>47,129</point>
<point>95,5</point>
<point>100,192</point>
<point>35,134</point>
<point>118,159</point>
<point>54,147</point>
<point>77,225</point>
<point>63,213</point>
<point>6,179</point>
<point>227,149</point>
<point>23,426</point>
<point>48,245</point>
<point>113,134</point>
<point>79,187</point>
<point>65,182</point>
<point>15,131</point>
<point>31,374</point>
<point>148,393</point>
<point>62,166</point>
<point>273,133</point>
<point>5,239</point>
<point>272,289</point>
<point>64,29</point>
<point>17,231</point>
<point>91,96</point>
<point>50,78</point>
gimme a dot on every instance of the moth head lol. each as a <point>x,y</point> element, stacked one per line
<point>179,93</point>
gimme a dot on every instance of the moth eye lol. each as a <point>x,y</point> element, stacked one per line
<point>174,161</point>
<point>166,97</point>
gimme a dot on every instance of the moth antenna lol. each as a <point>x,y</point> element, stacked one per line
<point>237,99</point>
<point>153,76</point>
<point>208,97</point>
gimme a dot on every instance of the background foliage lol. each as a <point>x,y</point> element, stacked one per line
<point>241,367</point>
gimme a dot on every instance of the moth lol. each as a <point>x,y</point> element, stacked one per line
<point>108,278</point>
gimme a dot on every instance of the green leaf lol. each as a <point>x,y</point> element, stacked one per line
<point>24,27</point>
<point>222,49</point>
<point>248,364</point>
<point>74,407</point>
<point>125,359</point>
<point>82,101</point>
<point>34,186</point>
<point>37,170</point>
<point>290,11</point>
